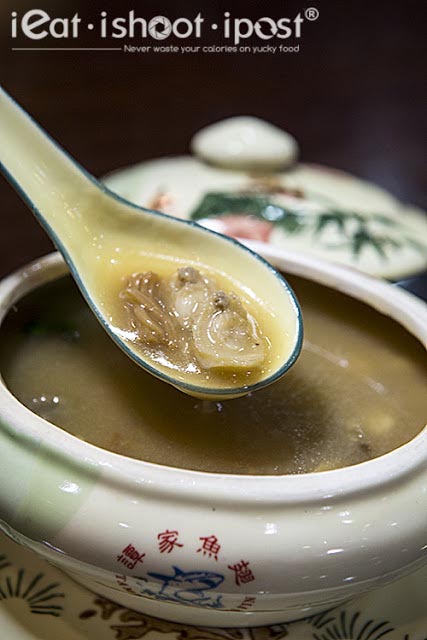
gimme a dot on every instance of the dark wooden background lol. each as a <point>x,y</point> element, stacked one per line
<point>354,96</point>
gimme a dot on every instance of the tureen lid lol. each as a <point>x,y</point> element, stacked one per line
<point>243,180</point>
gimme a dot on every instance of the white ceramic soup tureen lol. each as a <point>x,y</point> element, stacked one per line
<point>214,549</point>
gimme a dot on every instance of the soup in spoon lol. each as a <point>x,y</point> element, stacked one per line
<point>198,325</point>
<point>189,323</point>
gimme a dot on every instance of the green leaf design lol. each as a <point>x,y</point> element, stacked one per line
<point>337,218</point>
<point>293,223</point>
<point>259,206</point>
<point>220,204</point>
<point>362,238</point>
<point>265,207</point>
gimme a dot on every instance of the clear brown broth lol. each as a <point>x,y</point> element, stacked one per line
<point>358,390</point>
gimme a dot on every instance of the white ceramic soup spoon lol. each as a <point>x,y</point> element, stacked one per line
<point>104,238</point>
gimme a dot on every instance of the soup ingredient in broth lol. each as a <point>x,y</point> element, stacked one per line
<point>189,321</point>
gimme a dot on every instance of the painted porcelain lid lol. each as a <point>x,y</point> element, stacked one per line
<point>243,180</point>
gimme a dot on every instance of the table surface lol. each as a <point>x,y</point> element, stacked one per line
<point>353,96</point>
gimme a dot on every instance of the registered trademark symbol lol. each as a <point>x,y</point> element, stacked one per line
<point>311,13</point>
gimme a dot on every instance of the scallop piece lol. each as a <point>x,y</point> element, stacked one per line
<point>190,293</point>
<point>226,336</point>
